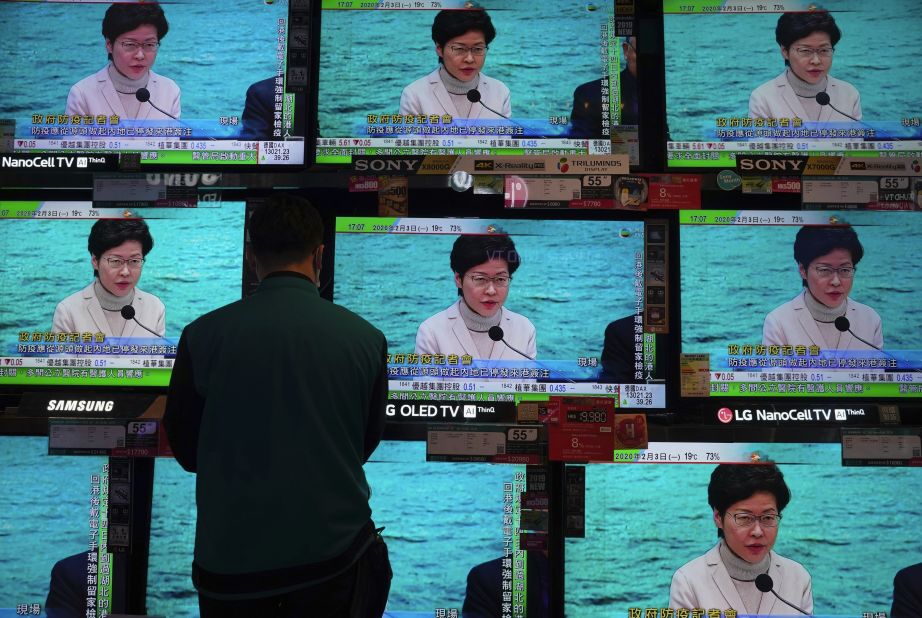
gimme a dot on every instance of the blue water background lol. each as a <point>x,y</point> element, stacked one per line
<point>714,62</point>
<point>575,277</point>
<point>732,276</point>
<point>851,528</point>
<point>195,266</point>
<point>213,51</point>
<point>441,518</point>
<point>542,52</point>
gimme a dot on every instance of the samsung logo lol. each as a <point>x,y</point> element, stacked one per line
<point>80,405</point>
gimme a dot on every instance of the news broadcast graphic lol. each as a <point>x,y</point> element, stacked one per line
<point>197,84</point>
<point>535,319</point>
<point>837,323</point>
<point>555,80</point>
<point>729,90</point>
<point>62,326</point>
<point>645,522</point>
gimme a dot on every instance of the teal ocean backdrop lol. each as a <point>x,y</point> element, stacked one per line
<point>734,275</point>
<point>442,519</point>
<point>715,61</point>
<point>575,277</point>
<point>542,52</point>
<point>213,51</point>
<point>851,528</point>
<point>195,266</point>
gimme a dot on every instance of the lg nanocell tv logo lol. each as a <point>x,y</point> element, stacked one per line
<point>794,415</point>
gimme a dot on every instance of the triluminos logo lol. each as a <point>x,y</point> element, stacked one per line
<point>563,166</point>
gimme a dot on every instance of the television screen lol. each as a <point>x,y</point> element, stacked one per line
<point>800,304</point>
<point>433,542</point>
<point>71,319</point>
<point>849,530</point>
<point>47,501</point>
<point>501,311</point>
<point>790,77</point>
<point>556,79</point>
<point>177,84</point>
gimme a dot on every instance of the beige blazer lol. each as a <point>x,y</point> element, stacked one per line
<point>427,95</point>
<point>792,324</point>
<point>704,583</point>
<point>81,313</point>
<point>95,95</point>
<point>446,333</point>
<point>776,99</point>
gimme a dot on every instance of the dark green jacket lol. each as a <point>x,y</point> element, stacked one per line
<point>276,401</point>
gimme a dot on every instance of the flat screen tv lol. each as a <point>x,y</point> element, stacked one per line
<point>91,86</point>
<point>790,77</point>
<point>500,78</point>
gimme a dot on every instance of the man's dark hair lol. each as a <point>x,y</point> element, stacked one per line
<point>471,250</point>
<point>284,229</point>
<point>731,483</point>
<point>795,26</point>
<point>449,24</point>
<point>109,233</point>
<point>124,17</point>
<point>814,241</point>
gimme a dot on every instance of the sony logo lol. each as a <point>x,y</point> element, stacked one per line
<point>748,164</point>
<point>382,165</point>
<point>79,405</point>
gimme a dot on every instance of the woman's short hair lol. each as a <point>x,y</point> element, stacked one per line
<point>284,229</point>
<point>450,24</point>
<point>731,483</point>
<point>110,233</point>
<point>795,26</point>
<point>815,241</point>
<point>124,17</point>
<point>470,250</point>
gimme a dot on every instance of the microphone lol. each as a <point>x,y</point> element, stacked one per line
<point>765,584</point>
<point>823,99</point>
<point>128,313</point>
<point>844,326</point>
<point>496,334</point>
<point>473,95</point>
<point>143,95</point>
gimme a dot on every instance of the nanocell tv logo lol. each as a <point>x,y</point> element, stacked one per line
<point>48,162</point>
<point>794,415</point>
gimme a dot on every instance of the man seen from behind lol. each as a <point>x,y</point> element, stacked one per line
<point>276,401</point>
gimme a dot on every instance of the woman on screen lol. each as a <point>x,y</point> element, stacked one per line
<point>747,500</point>
<point>127,87</point>
<point>822,314</point>
<point>117,251</point>
<point>461,40</point>
<point>804,89</point>
<point>477,324</point>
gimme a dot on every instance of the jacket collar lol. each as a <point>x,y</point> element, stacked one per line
<point>721,578</point>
